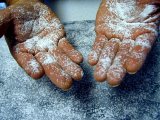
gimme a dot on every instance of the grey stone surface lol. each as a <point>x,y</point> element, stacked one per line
<point>22,98</point>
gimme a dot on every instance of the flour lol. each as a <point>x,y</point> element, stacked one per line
<point>117,69</point>
<point>94,55</point>
<point>105,62</point>
<point>33,65</point>
<point>48,42</point>
<point>126,29</point>
<point>27,26</point>
<point>124,11</point>
<point>47,59</point>
<point>121,9</point>
<point>44,28</point>
<point>148,10</point>
<point>143,43</point>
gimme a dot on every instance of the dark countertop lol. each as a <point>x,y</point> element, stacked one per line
<point>22,98</point>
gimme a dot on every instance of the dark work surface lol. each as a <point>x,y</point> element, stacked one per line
<point>22,98</point>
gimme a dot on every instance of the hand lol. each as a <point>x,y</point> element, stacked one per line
<point>36,39</point>
<point>122,46</point>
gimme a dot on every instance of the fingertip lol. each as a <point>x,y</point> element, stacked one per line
<point>67,88</point>
<point>92,58</point>
<point>37,75</point>
<point>33,69</point>
<point>79,59</point>
<point>29,64</point>
<point>78,75</point>
<point>132,65</point>
<point>113,82</point>
<point>99,78</point>
<point>73,54</point>
<point>70,67</point>
<point>65,85</point>
<point>100,75</point>
<point>115,75</point>
<point>55,73</point>
<point>97,47</point>
<point>76,57</point>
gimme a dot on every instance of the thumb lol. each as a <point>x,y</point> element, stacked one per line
<point>5,18</point>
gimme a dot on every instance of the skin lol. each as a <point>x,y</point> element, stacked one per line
<point>107,45</point>
<point>114,58</point>
<point>58,59</point>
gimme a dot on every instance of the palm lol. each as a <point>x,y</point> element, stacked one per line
<point>121,45</point>
<point>39,44</point>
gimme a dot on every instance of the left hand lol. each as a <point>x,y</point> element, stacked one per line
<point>122,46</point>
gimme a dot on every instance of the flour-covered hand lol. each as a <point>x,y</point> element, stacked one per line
<point>123,39</point>
<point>37,41</point>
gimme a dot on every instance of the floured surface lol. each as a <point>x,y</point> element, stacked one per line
<point>22,98</point>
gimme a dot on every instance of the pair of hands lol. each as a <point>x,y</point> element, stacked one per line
<point>36,39</point>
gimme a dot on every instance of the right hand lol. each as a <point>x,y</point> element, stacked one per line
<point>36,39</point>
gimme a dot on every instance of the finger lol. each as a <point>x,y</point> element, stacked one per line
<point>73,54</point>
<point>153,18</point>
<point>106,58</point>
<point>117,71</point>
<point>68,65</point>
<point>93,56</point>
<point>5,18</point>
<point>28,63</point>
<point>139,52</point>
<point>147,13</point>
<point>144,28</point>
<point>55,73</point>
